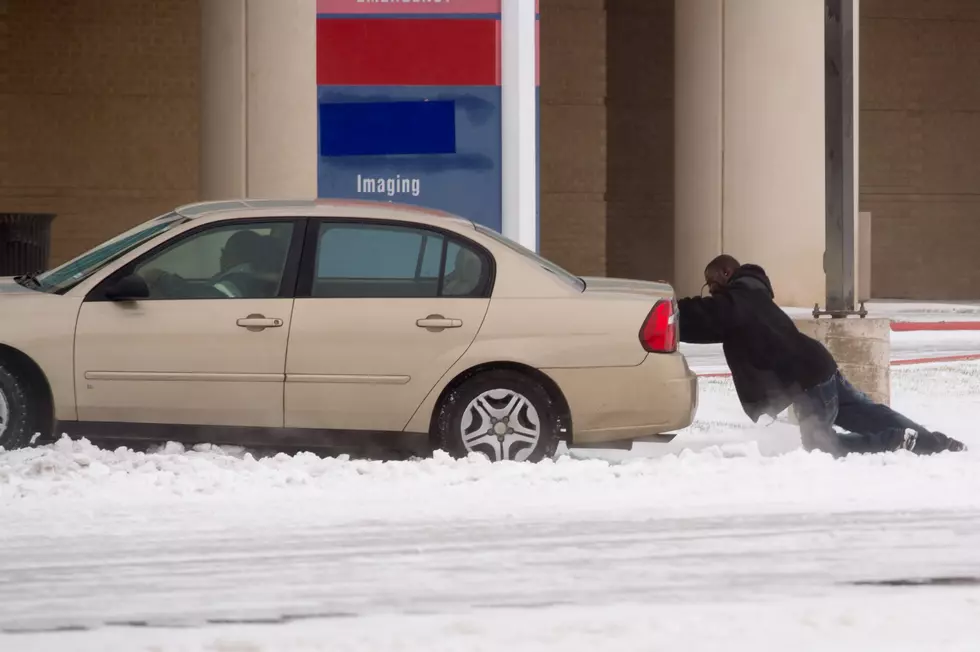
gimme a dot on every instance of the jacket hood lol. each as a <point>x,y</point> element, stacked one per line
<point>752,277</point>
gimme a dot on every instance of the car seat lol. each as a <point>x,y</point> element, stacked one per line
<point>466,276</point>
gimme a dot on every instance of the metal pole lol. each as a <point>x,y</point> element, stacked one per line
<point>839,124</point>
<point>518,25</point>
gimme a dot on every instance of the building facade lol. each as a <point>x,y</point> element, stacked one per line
<point>669,130</point>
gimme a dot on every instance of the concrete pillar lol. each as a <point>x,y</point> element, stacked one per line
<point>862,348</point>
<point>749,141</point>
<point>258,98</point>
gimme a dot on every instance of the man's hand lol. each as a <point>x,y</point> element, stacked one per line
<point>152,276</point>
<point>158,281</point>
<point>701,320</point>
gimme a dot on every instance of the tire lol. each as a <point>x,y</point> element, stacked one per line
<point>515,414</point>
<point>21,414</point>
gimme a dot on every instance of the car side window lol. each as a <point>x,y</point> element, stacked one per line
<point>465,272</point>
<point>386,261</point>
<point>238,261</point>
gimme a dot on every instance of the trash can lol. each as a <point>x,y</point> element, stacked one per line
<point>25,242</point>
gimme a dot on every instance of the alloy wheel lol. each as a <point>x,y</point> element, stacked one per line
<point>4,413</point>
<point>502,424</point>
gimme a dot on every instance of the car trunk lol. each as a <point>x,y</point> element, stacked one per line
<point>619,286</point>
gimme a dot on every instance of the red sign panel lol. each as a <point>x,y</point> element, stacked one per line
<point>408,6</point>
<point>417,52</point>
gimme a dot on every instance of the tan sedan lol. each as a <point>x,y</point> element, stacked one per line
<point>337,324</point>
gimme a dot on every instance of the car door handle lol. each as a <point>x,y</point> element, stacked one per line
<point>259,322</point>
<point>438,322</point>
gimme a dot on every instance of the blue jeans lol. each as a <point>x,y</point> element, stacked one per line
<point>872,427</point>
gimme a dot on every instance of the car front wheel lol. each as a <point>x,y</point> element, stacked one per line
<point>20,416</point>
<point>503,415</point>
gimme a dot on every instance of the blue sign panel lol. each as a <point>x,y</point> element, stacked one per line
<point>437,147</point>
<point>387,128</point>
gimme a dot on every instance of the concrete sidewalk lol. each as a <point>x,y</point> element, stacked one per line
<point>918,315</point>
<point>907,347</point>
<point>923,332</point>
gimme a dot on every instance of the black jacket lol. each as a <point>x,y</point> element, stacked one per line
<point>771,361</point>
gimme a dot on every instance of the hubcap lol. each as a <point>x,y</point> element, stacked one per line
<point>502,424</point>
<point>4,413</point>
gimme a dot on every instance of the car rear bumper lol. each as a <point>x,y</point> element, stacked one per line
<point>611,404</point>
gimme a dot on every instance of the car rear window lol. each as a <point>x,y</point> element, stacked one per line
<point>557,270</point>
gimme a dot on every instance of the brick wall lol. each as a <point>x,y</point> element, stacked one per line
<point>920,138</point>
<point>640,119</point>
<point>607,134</point>
<point>99,110</point>
<point>573,134</point>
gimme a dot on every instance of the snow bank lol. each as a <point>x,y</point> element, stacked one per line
<point>723,479</point>
<point>730,474</point>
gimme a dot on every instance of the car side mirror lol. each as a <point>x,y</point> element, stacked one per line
<point>128,288</point>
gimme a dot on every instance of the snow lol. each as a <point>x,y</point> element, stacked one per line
<point>728,538</point>
<point>867,620</point>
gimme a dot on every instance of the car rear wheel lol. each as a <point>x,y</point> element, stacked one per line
<point>20,416</point>
<point>503,415</point>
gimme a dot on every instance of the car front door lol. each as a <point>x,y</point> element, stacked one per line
<point>208,345</point>
<point>382,313</point>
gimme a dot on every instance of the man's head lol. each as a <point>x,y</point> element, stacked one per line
<point>719,271</point>
<point>242,247</point>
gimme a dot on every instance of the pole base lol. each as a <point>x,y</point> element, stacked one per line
<point>839,314</point>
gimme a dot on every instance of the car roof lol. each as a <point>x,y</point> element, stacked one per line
<point>244,208</point>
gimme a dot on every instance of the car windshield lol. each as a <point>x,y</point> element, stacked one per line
<point>65,276</point>
<point>561,273</point>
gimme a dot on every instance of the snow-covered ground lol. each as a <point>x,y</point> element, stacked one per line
<point>730,538</point>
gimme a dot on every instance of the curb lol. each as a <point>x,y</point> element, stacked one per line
<point>907,326</point>
<point>966,357</point>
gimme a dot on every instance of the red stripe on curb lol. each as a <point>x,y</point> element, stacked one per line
<point>936,325</point>
<point>966,357</point>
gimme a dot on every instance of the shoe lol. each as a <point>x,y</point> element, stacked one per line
<point>944,443</point>
<point>930,443</point>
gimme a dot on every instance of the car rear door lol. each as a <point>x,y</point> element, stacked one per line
<point>208,346</point>
<point>383,310</point>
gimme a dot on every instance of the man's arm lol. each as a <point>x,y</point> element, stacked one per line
<point>704,320</point>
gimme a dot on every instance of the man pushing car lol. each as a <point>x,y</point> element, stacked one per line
<point>775,366</point>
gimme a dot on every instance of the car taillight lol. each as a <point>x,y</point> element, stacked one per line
<point>659,332</point>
